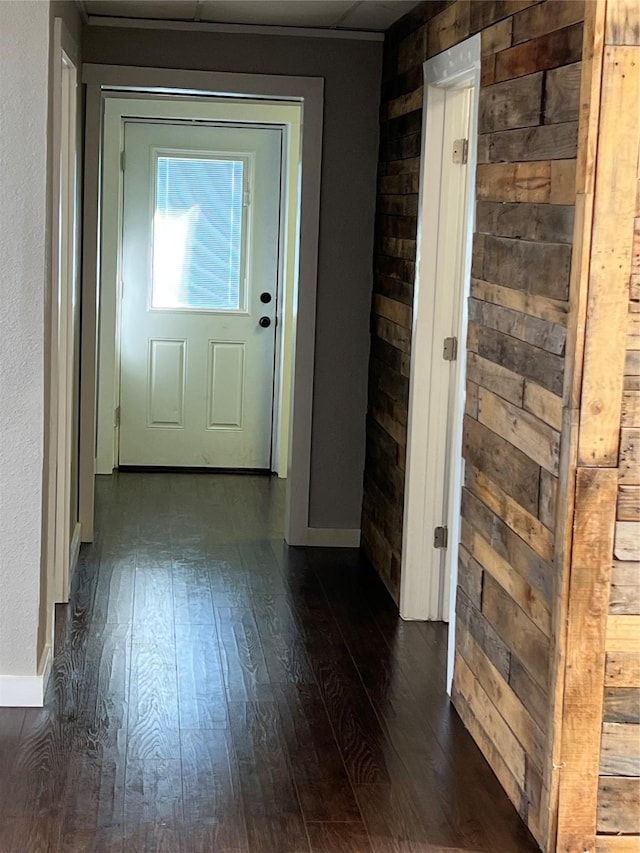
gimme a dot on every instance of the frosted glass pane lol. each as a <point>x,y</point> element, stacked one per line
<point>197,233</point>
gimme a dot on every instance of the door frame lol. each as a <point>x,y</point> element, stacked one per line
<point>63,528</point>
<point>307,92</point>
<point>119,107</point>
<point>425,592</point>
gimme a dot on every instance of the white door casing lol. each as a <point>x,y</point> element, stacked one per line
<point>63,536</point>
<point>436,404</point>
<point>196,365</point>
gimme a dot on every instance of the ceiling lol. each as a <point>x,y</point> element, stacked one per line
<point>370,15</point>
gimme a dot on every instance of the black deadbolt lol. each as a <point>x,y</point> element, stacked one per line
<point>265,322</point>
<point>265,297</point>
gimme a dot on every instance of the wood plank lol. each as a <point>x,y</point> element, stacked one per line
<point>449,27</point>
<point>535,438</point>
<point>622,705</point>
<point>552,310</point>
<point>630,409</point>
<point>508,466</point>
<point>522,559</point>
<point>490,719</point>
<point>471,400</point>
<point>548,51</point>
<point>618,844</point>
<point>533,330</point>
<point>530,693</point>
<point>562,94</point>
<point>543,404</point>
<point>623,634</point>
<point>622,670</point>
<point>510,622</point>
<point>496,378</point>
<point>484,634</point>
<point>620,749</point>
<point>392,310</point>
<point>545,17</point>
<point>614,210</point>
<point>470,576</point>
<point>538,268</point>
<point>485,14</point>
<point>625,589</point>
<point>530,182</point>
<point>405,103</point>
<point>501,696</point>
<point>618,805</point>
<point>628,503</point>
<point>548,499</point>
<point>623,26</point>
<point>562,189</point>
<point>525,596</point>
<point>547,142</point>
<point>541,367</point>
<point>512,104</point>
<point>548,223</point>
<point>627,541</point>
<point>496,37</point>
<point>585,657</point>
<point>630,457</point>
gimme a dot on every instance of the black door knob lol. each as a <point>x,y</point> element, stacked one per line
<point>265,297</point>
<point>265,322</point>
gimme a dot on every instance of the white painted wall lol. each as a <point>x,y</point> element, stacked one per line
<point>24,70</point>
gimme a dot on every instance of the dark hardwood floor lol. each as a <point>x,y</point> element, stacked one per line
<point>214,690</point>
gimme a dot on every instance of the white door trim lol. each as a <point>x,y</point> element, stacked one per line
<point>423,594</point>
<point>61,523</point>
<point>102,80</point>
<point>120,106</point>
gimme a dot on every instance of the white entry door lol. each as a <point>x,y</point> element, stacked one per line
<point>198,313</point>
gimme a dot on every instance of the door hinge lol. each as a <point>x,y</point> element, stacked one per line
<point>122,159</point>
<point>440,537</point>
<point>460,150</point>
<point>116,416</point>
<point>450,349</point>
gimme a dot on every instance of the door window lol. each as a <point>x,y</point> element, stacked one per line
<point>198,233</point>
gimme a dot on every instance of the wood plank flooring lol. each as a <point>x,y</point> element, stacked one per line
<point>215,690</point>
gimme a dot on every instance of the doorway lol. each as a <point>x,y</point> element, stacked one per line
<point>117,91</point>
<point>434,445</point>
<point>200,240</point>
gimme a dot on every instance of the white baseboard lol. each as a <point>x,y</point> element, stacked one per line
<point>27,691</point>
<point>327,537</point>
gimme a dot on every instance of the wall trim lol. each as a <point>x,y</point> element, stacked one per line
<point>239,29</point>
<point>27,691</point>
<point>329,537</point>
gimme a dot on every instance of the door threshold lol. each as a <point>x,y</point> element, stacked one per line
<point>182,469</point>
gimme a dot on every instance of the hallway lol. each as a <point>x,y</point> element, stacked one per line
<point>215,690</point>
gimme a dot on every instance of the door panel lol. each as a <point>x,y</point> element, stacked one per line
<point>166,383</point>
<point>200,244</point>
<point>226,383</point>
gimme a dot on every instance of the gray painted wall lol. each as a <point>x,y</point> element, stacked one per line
<point>351,70</point>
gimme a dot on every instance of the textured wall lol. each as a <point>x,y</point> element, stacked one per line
<point>519,292</point>
<point>24,40</point>
<point>351,72</point>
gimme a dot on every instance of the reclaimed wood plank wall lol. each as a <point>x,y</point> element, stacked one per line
<point>516,356</point>
<point>595,727</point>
<point>618,796</point>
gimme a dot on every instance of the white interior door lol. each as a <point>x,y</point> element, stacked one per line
<point>198,311</point>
